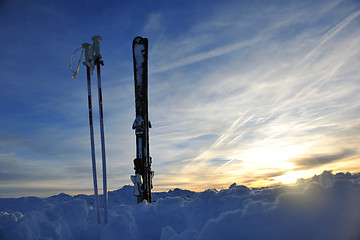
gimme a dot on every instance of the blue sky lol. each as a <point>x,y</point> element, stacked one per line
<point>239,91</point>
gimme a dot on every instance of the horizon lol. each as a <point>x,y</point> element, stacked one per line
<point>239,92</point>
<point>277,184</point>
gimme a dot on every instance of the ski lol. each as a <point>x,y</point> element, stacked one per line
<point>142,163</point>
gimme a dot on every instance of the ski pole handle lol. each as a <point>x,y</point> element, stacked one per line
<point>88,52</point>
<point>96,45</point>
<point>88,56</point>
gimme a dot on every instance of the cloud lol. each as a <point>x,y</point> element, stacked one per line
<point>318,160</point>
<point>14,169</point>
<point>275,105</point>
<point>153,23</point>
<point>273,174</point>
<point>205,55</point>
<point>331,34</point>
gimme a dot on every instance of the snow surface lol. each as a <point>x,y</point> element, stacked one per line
<point>323,207</point>
<point>139,56</point>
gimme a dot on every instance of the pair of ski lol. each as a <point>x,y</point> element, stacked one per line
<point>142,163</point>
<point>92,59</point>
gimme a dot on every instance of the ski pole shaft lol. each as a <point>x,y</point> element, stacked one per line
<point>98,62</point>
<point>92,145</point>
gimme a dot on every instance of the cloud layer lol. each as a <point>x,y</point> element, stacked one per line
<point>322,207</point>
<point>285,91</point>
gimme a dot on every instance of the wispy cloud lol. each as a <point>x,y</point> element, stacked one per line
<point>331,34</point>
<point>205,55</point>
<point>153,22</point>
<point>270,101</point>
<point>319,160</point>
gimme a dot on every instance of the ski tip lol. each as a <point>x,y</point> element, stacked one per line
<point>140,40</point>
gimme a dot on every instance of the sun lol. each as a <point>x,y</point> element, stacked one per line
<point>289,177</point>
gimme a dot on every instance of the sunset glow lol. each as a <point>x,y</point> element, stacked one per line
<point>239,91</point>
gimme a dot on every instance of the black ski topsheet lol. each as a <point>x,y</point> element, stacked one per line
<point>141,124</point>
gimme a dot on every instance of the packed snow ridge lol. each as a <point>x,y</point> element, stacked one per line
<point>324,207</point>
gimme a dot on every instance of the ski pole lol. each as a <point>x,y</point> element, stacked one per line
<point>88,52</point>
<point>98,61</point>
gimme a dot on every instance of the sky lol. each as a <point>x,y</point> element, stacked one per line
<point>239,91</point>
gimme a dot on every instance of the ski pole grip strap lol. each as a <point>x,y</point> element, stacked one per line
<point>75,73</point>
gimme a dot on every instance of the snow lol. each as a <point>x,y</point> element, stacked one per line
<point>323,207</point>
<point>139,56</point>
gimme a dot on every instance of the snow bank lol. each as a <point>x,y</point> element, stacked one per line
<point>324,207</point>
